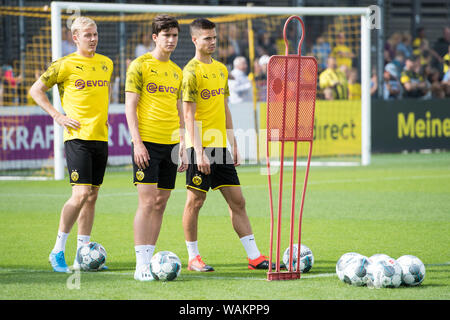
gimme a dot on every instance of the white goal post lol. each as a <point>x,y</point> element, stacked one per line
<point>364,12</point>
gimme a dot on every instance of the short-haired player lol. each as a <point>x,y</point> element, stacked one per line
<point>154,114</point>
<point>205,92</point>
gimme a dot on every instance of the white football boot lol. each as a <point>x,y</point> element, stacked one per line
<point>143,273</point>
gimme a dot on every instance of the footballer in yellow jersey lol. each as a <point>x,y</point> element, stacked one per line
<point>209,125</point>
<point>155,119</point>
<point>159,85</point>
<point>83,84</point>
<point>83,80</point>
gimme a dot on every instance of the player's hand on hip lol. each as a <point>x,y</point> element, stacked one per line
<point>67,123</point>
<point>141,156</point>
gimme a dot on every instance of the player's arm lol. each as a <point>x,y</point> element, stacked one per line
<point>37,92</point>
<point>182,153</point>
<point>230,135</point>
<point>141,156</point>
<point>192,129</point>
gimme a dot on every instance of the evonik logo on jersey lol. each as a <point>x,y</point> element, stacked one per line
<point>153,87</point>
<point>206,93</point>
<point>81,84</point>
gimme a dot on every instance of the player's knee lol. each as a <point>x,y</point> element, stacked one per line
<point>160,203</point>
<point>93,195</point>
<point>196,202</point>
<point>238,204</point>
<point>80,197</point>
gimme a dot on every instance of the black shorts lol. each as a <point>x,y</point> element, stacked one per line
<point>163,164</point>
<point>223,173</point>
<point>86,161</point>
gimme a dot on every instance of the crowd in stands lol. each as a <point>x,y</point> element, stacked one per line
<point>413,67</point>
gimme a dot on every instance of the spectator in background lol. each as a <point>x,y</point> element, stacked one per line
<point>390,48</point>
<point>265,44</point>
<point>10,84</point>
<point>404,46</point>
<point>418,40</point>
<point>342,53</point>
<point>261,76</point>
<point>414,85</point>
<point>428,56</point>
<point>399,62</point>
<point>442,44</point>
<point>421,48</point>
<point>354,87</point>
<point>239,84</point>
<point>68,46</point>
<point>446,84</point>
<point>321,50</point>
<point>374,82</point>
<point>232,47</point>
<point>333,82</point>
<point>391,85</point>
<point>432,76</point>
<point>145,46</point>
<point>446,61</point>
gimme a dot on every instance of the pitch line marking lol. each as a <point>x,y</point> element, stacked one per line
<point>306,276</point>
<point>22,270</point>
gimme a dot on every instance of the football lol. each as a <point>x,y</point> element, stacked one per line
<point>91,256</point>
<point>413,270</point>
<point>165,266</point>
<point>385,273</point>
<point>343,261</point>
<point>378,257</point>
<point>355,271</point>
<point>306,258</point>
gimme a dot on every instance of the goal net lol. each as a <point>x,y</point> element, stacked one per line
<point>31,144</point>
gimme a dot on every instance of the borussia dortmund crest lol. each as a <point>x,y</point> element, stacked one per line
<point>74,176</point>
<point>197,180</point>
<point>140,175</point>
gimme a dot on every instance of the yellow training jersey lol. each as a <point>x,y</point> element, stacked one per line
<point>207,86</point>
<point>336,80</point>
<point>159,85</point>
<point>339,52</point>
<point>83,85</point>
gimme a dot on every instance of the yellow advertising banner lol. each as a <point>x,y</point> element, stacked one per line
<point>337,129</point>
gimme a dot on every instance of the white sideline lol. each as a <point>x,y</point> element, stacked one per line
<point>22,270</point>
<point>305,276</point>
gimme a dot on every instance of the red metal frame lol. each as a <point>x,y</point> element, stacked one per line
<point>278,101</point>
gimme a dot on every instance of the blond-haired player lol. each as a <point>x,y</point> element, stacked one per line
<point>155,119</point>
<point>83,80</point>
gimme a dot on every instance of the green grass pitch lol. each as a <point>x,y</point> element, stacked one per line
<point>398,205</point>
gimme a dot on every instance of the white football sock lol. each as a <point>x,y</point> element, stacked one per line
<point>82,239</point>
<point>250,246</point>
<point>144,253</point>
<point>192,248</point>
<point>60,244</point>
